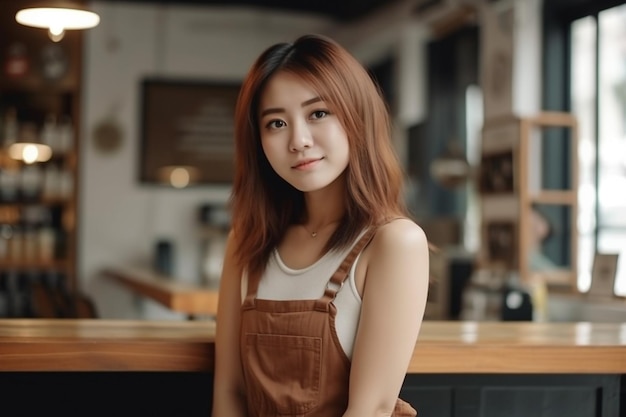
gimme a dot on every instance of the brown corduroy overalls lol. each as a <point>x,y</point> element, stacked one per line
<point>292,360</point>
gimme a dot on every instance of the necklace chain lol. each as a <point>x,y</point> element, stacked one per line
<point>312,234</point>
<point>316,232</point>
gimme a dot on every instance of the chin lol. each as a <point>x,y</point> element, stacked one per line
<point>307,188</point>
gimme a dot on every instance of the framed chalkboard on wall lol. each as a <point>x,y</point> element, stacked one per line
<point>187,127</point>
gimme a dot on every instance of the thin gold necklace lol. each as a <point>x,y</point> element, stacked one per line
<point>315,233</point>
<point>312,234</point>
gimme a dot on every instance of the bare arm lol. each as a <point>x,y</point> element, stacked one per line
<point>228,385</point>
<point>394,299</point>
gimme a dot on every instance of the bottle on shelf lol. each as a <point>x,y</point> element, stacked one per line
<point>9,185</point>
<point>66,184</point>
<point>46,238</point>
<point>10,286</point>
<point>10,127</point>
<point>29,243</point>
<point>31,182</point>
<point>65,135</point>
<point>16,244</point>
<point>6,233</point>
<point>50,133</point>
<point>51,188</point>
<point>4,294</point>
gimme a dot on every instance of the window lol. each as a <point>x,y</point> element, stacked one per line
<point>598,99</point>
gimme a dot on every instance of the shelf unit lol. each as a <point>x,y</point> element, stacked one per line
<point>39,81</point>
<point>513,191</point>
<point>531,193</point>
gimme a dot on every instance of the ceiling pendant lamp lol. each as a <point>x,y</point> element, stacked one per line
<point>58,17</point>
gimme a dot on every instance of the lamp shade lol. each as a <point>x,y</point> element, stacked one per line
<point>58,17</point>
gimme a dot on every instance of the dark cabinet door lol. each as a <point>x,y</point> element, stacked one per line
<point>514,395</point>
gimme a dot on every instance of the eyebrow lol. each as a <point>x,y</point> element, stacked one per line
<point>280,109</point>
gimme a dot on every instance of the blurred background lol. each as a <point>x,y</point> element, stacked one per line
<point>509,118</point>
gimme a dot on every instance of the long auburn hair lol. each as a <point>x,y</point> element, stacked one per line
<point>263,204</point>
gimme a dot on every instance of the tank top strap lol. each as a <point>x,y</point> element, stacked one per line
<point>340,276</point>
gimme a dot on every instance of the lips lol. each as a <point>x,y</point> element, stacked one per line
<point>306,162</point>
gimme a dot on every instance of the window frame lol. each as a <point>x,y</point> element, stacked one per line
<point>558,16</point>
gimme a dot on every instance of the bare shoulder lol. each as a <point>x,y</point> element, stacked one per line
<point>400,243</point>
<point>397,257</point>
<point>399,234</point>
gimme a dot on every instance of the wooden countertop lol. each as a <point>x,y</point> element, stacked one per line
<point>187,346</point>
<point>105,345</point>
<point>190,299</point>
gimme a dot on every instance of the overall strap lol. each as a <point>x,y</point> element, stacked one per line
<point>341,274</point>
<point>253,287</point>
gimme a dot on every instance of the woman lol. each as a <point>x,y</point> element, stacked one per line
<point>316,204</point>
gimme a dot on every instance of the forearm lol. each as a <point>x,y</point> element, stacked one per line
<point>365,411</point>
<point>376,377</point>
<point>228,403</point>
<point>377,395</point>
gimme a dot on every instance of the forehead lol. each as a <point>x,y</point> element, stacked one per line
<point>286,87</point>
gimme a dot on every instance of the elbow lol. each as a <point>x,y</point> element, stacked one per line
<point>382,409</point>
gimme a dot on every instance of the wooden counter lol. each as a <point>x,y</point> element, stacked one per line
<point>103,345</point>
<point>163,369</point>
<point>520,347</point>
<point>443,347</point>
<point>192,300</point>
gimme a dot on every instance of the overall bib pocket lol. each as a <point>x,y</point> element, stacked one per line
<point>273,362</point>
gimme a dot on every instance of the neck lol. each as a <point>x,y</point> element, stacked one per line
<point>315,229</point>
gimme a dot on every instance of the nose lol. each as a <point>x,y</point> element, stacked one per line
<point>301,138</point>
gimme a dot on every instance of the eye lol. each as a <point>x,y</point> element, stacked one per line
<point>319,114</point>
<point>274,124</point>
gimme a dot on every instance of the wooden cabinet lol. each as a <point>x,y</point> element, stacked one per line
<point>40,101</point>
<point>190,394</point>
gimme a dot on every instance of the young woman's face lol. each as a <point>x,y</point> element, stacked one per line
<point>302,139</point>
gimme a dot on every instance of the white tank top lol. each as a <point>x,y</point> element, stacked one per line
<point>279,282</point>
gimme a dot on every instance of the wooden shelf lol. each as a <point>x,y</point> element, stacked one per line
<point>530,199</point>
<point>34,265</point>
<point>553,119</point>
<point>48,202</point>
<point>564,197</point>
<point>509,215</point>
<point>34,96</point>
<point>37,86</point>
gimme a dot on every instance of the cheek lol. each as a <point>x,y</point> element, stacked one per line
<point>342,146</point>
<point>271,151</point>
<point>268,147</point>
<point>346,156</point>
